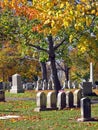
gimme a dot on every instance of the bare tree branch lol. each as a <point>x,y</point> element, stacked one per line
<point>38,47</point>
<point>58,45</point>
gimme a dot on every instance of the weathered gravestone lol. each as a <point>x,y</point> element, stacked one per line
<point>61,100</point>
<point>85,110</point>
<point>77,97</point>
<point>87,88</point>
<point>51,101</point>
<point>69,99</point>
<point>17,86</point>
<point>40,101</point>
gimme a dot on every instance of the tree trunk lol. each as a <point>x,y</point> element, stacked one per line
<point>53,65</point>
<point>43,70</point>
<point>67,73</point>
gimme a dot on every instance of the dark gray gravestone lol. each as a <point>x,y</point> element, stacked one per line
<point>85,110</point>
<point>87,88</point>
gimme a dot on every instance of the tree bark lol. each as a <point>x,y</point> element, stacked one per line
<point>53,65</point>
<point>43,70</point>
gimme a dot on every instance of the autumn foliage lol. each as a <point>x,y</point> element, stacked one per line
<point>77,19</point>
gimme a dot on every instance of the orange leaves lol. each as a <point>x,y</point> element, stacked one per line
<point>37,28</point>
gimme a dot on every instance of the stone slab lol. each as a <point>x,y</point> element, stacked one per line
<point>8,117</point>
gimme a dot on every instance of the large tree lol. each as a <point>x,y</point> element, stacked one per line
<point>77,20</point>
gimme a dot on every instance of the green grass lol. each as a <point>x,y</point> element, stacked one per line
<point>46,120</point>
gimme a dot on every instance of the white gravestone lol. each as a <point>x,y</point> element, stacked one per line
<point>69,99</point>
<point>17,86</point>
<point>91,73</point>
<point>40,101</point>
<point>61,100</point>
<point>77,97</point>
<point>51,100</point>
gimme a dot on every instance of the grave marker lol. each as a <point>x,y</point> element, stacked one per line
<point>85,110</point>
<point>69,99</point>
<point>51,100</point>
<point>40,101</point>
<point>61,100</point>
<point>17,86</point>
<point>77,97</point>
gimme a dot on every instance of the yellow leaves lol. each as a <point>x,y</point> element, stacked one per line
<point>6,2</point>
<point>78,26</point>
<point>93,11</point>
<point>52,23</point>
<point>88,21</point>
<point>47,21</point>
<point>61,5</point>
<point>81,48</point>
<point>70,38</point>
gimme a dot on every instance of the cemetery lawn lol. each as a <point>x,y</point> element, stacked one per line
<point>45,120</point>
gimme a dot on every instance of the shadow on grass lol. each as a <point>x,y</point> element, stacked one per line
<point>8,111</point>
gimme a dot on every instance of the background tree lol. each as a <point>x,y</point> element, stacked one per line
<point>49,18</point>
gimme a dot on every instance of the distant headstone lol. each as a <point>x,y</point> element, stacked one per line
<point>1,85</point>
<point>69,99</point>
<point>69,84</point>
<point>65,85</point>
<point>51,100</point>
<point>40,101</point>
<point>39,85</point>
<point>87,88</point>
<point>91,74</point>
<point>61,100</point>
<point>17,86</point>
<point>85,110</point>
<point>49,85</point>
<point>2,95</point>
<point>45,85</point>
<point>77,97</point>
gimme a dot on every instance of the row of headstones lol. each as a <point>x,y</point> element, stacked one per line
<point>40,85</point>
<point>61,101</point>
<point>17,85</point>
<point>44,85</point>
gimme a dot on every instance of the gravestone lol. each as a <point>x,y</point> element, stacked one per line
<point>87,88</point>
<point>69,99</point>
<point>17,86</point>
<point>45,85</point>
<point>39,85</point>
<point>61,100</point>
<point>85,110</point>
<point>91,74</point>
<point>69,84</point>
<point>65,85</point>
<point>40,101</point>
<point>77,97</point>
<point>49,85</point>
<point>51,100</point>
